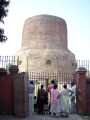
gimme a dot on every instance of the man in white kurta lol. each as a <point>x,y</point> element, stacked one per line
<point>64,101</point>
<point>31,96</point>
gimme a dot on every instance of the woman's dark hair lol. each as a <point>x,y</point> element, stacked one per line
<point>55,86</point>
<point>41,86</point>
<point>53,81</point>
<point>65,86</point>
<point>31,82</point>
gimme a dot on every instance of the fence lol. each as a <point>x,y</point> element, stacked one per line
<point>60,77</point>
<point>5,61</point>
<point>45,78</point>
<point>84,63</point>
<point>42,77</point>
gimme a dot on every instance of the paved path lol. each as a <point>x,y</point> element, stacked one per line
<point>42,117</point>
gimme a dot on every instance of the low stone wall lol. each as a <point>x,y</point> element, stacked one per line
<point>20,94</point>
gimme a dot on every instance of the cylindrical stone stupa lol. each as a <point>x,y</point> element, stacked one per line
<point>44,45</point>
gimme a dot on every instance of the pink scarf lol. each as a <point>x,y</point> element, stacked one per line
<point>54,95</point>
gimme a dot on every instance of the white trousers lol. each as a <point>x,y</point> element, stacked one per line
<point>31,103</point>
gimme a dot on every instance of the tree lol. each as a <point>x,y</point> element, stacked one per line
<point>3,13</point>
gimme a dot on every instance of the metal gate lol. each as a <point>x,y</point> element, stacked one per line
<point>45,78</point>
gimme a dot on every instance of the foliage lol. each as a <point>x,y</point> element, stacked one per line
<point>3,72</point>
<point>13,69</point>
<point>3,13</point>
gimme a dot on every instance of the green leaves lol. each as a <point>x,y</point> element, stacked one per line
<point>3,13</point>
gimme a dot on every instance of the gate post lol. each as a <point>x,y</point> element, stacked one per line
<point>81,90</point>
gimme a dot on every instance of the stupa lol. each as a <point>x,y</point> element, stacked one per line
<point>45,46</point>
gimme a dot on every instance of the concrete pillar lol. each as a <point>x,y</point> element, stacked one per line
<point>20,95</point>
<point>20,92</point>
<point>81,90</point>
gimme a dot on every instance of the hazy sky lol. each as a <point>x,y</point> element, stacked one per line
<point>75,12</point>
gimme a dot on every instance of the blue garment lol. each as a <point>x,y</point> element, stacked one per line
<point>31,87</point>
<point>31,97</point>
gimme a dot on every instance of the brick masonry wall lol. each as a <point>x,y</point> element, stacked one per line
<point>20,95</point>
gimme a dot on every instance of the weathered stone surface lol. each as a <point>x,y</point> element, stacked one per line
<point>44,31</point>
<point>44,45</point>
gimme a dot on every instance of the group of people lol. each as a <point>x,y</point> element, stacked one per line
<point>57,102</point>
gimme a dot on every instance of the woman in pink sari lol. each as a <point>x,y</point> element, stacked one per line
<point>50,87</point>
<point>54,101</point>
